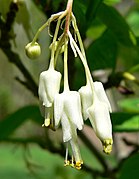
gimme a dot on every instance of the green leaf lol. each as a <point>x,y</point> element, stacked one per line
<point>102,53</point>
<point>55,4</point>
<point>4,7</point>
<point>111,2</point>
<point>133,21</point>
<point>125,122</point>
<point>91,10</point>
<point>130,125</point>
<point>14,120</point>
<point>130,105</point>
<point>79,10</point>
<point>118,118</point>
<point>117,24</point>
<point>130,168</point>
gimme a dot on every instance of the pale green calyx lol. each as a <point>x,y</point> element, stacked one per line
<point>33,50</point>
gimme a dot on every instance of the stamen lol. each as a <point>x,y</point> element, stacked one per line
<point>66,162</point>
<point>72,162</point>
<point>78,165</point>
<point>107,145</point>
<point>47,122</point>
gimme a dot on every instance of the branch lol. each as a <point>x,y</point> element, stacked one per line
<point>5,27</point>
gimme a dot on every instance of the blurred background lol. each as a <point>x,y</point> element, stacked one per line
<point>110,32</point>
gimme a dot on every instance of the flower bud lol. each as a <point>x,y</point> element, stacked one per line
<point>33,50</point>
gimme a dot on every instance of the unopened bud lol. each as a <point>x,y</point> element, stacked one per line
<point>33,50</point>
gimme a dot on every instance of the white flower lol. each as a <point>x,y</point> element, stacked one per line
<point>49,85</point>
<point>100,119</point>
<point>67,111</point>
<point>96,107</point>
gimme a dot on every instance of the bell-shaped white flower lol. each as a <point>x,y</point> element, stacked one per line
<point>67,111</point>
<point>49,85</point>
<point>100,119</point>
<point>96,107</point>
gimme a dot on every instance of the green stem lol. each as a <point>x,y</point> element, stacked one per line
<point>66,84</point>
<point>53,44</point>
<point>59,47</point>
<point>39,31</point>
<point>78,35</point>
<point>87,71</point>
<point>52,18</point>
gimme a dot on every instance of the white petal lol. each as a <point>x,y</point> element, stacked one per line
<point>41,90</point>
<point>72,108</point>
<point>99,89</point>
<point>49,85</point>
<point>66,128</point>
<point>76,151</point>
<point>58,108</point>
<point>86,99</point>
<point>100,118</point>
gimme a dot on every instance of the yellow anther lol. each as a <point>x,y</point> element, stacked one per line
<point>107,145</point>
<point>47,122</point>
<point>78,165</point>
<point>66,163</point>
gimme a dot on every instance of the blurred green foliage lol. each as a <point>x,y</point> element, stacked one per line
<point>110,30</point>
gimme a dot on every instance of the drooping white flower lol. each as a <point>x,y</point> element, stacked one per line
<point>67,111</point>
<point>100,119</point>
<point>96,107</point>
<point>49,85</point>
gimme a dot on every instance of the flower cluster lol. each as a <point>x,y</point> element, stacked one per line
<point>71,108</point>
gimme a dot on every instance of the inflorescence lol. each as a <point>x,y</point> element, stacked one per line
<point>71,108</point>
